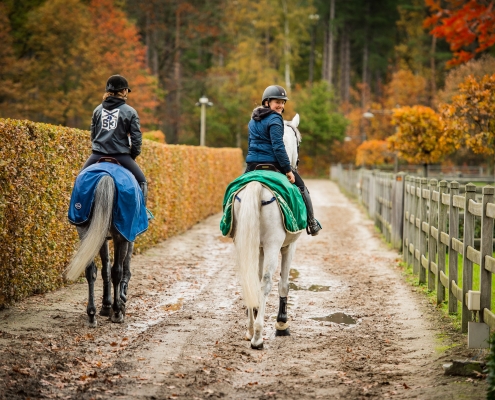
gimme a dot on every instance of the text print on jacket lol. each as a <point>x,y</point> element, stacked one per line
<point>112,121</point>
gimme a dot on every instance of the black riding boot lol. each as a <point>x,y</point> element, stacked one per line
<point>144,189</point>
<point>313,225</point>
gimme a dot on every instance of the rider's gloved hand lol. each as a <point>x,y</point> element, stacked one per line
<point>290,176</point>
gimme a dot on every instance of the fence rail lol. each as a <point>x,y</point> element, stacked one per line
<point>434,225</point>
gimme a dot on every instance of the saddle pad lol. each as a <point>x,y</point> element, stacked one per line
<point>129,213</point>
<point>288,197</point>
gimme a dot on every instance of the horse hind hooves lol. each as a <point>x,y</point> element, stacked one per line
<point>257,346</point>
<point>105,311</point>
<point>117,318</point>
<point>92,324</point>
<point>284,332</point>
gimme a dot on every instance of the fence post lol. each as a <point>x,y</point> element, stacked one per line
<point>486,249</point>
<point>422,234</point>
<point>398,190</point>
<point>453,233</point>
<point>433,241</point>
<point>415,223</point>
<point>407,213</point>
<point>442,227</point>
<point>468,241</point>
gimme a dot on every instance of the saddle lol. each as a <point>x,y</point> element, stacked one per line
<point>266,167</point>
<point>108,159</point>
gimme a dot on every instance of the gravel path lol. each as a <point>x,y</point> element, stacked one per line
<point>185,323</point>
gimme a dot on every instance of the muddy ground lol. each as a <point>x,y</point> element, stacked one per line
<point>185,324</point>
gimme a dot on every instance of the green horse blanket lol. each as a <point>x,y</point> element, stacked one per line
<point>288,197</point>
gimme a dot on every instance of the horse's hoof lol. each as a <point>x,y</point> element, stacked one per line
<point>92,324</point>
<point>105,311</point>
<point>117,318</point>
<point>284,332</point>
<point>282,329</point>
<point>257,346</point>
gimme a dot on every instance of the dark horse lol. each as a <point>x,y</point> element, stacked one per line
<point>93,236</point>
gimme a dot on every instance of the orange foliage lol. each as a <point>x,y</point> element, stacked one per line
<point>122,53</point>
<point>469,27</point>
<point>417,139</point>
<point>405,89</point>
<point>470,118</point>
<point>373,152</point>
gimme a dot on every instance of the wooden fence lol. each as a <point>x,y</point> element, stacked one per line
<point>424,218</point>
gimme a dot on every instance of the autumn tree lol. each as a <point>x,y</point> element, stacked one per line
<point>417,140</point>
<point>468,26</point>
<point>470,118</point>
<point>373,153</point>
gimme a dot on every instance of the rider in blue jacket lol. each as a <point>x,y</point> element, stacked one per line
<point>266,145</point>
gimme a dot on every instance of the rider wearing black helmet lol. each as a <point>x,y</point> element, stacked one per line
<point>266,145</point>
<point>116,132</point>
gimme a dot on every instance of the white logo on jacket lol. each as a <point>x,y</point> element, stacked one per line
<point>109,118</point>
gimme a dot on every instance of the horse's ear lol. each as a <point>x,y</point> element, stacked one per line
<point>295,121</point>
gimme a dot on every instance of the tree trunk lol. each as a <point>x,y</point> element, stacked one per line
<point>312,55</point>
<point>433,93</point>
<point>365,61</point>
<point>345,65</point>
<point>286,46</point>
<point>330,42</point>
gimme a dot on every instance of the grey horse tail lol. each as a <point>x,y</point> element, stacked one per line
<point>95,235</point>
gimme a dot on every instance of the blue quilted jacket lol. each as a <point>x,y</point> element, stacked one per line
<point>265,140</point>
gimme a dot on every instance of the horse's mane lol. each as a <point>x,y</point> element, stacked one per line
<point>296,131</point>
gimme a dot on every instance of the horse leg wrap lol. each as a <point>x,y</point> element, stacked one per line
<point>282,310</point>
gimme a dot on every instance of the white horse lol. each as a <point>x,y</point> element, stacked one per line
<point>259,238</point>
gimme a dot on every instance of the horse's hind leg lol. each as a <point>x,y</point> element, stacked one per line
<point>253,312</point>
<point>270,263</point>
<point>91,272</point>
<point>120,253</point>
<point>106,305</point>
<point>282,326</point>
<point>124,283</point>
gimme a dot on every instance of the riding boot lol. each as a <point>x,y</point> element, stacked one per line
<point>313,225</point>
<point>144,189</point>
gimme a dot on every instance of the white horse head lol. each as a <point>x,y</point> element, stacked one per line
<point>292,139</point>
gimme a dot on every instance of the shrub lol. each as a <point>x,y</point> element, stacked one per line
<point>38,166</point>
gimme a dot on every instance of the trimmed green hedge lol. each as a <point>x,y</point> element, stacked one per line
<point>38,166</point>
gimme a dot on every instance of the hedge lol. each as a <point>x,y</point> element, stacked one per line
<point>38,166</point>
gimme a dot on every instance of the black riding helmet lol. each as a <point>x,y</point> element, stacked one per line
<point>116,83</point>
<point>274,92</point>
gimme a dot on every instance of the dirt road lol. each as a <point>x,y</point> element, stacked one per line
<point>185,324</point>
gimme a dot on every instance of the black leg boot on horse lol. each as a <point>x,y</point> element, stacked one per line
<point>313,225</point>
<point>282,327</point>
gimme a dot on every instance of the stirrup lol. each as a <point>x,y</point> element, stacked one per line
<point>149,215</point>
<point>313,227</point>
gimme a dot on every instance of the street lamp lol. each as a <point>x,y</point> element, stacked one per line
<point>203,102</point>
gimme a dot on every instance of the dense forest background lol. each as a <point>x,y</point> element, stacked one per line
<point>337,59</point>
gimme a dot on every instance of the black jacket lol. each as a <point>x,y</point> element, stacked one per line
<point>112,121</point>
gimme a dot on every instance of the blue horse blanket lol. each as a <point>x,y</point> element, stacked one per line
<point>129,212</point>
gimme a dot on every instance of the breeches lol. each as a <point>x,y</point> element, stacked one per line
<point>124,159</point>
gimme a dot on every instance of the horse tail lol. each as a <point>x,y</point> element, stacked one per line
<point>247,243</point>
<point>95,235</point>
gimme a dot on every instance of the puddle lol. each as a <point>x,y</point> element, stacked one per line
<point>312,288</point>
<point>293,274</point>
<point>319,288</point>
<point>338,318</point>
<point>173,307</point>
